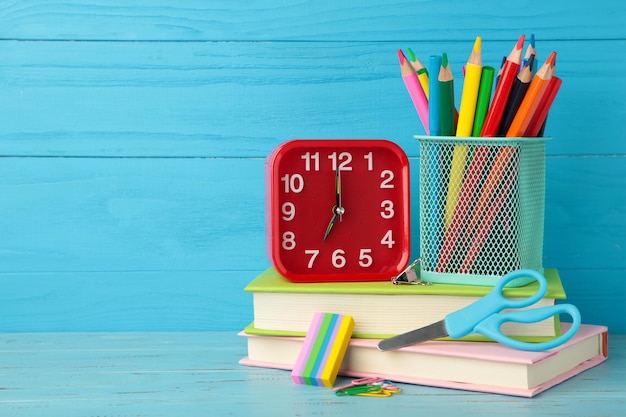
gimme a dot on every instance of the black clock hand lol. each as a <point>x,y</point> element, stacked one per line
<point>333,220</point>
<point>338,209</point>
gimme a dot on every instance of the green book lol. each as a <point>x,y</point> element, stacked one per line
<point>381,309</point>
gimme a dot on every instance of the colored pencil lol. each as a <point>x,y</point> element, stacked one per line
<point>531,51</point>
<point>469,192</point>
<point>471,85</point>
<point>499,74</point>
<point>434,122</point>
<point>498,169</point>
<point>532,98</point>
<point>503,89</point>
<point>434,169</point>
<point>420,70</point>
<point>537,123</point>
<point>471,180</point>
<point>520,86</point>
<point>464,125</point>
<point>446,98</point>
<point>508,180</point>
<point>415,90</point>
<point>484,97</point>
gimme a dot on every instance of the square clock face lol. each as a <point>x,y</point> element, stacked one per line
<point>338,210</point>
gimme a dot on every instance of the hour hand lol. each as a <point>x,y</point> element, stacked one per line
<point>333,220</point>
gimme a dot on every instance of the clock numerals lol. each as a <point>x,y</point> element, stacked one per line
<point>387,239</point>
<point>288,210</point>
<point>369,157</point>
<point>289,240</point>
<point>365,259</point>
<point>387,209</point>
<point>311,161</point>
<point>341,161</point>
<point>313,256</point>
<point>293,183</point>
<point>338,258</point>
<point>387,178</point>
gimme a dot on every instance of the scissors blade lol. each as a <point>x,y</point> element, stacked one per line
<point>432,331</point>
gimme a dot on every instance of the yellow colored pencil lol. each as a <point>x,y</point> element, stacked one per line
<point>420,70</point>
<point>471,84</point>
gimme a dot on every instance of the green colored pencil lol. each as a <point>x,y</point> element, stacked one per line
<point>484,96</point>
<point>446,98</point>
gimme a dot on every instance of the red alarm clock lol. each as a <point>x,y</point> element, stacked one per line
<point>338,210</point>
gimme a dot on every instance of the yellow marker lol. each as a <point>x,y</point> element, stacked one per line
<point>467,110</point>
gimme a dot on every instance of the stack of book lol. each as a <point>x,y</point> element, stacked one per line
<point>283,312</point>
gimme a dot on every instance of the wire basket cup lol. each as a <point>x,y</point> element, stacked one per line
<point>481,208</point>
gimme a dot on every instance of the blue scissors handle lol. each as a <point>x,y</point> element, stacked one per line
<point>462,322</point>
<point>481,316</point>
<point>490,327</point>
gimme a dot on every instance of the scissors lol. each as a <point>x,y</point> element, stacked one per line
<point>484,317</point>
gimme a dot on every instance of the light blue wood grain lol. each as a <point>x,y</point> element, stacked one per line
<point>197,374</point>
<point>125,301</point>
<point>271,20</point>
<point>242,99</point>
<point>132,139</point>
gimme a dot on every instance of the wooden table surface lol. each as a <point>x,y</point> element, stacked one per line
<point>198,374</point>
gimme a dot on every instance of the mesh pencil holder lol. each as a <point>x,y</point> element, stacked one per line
<point>481,208</point>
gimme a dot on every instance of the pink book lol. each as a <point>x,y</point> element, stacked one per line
<point>473,366</point>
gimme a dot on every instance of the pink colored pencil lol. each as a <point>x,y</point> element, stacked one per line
<point>416,92</point>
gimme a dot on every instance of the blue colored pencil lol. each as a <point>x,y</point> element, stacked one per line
<point>434,123</point>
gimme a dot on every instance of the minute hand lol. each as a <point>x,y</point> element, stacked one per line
<point>338,209</point>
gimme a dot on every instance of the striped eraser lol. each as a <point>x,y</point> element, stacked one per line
<point>324,347</point>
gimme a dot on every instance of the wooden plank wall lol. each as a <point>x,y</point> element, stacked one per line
<point>133,136</point>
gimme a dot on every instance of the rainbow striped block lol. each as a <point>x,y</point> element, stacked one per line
<point>324,348</point>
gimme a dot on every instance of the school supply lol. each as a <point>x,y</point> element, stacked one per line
<point>484,98</point>
<point>538,121</point>
<point>415,90</point>
<point>380,309</point>
<point>470,366</point>
<point>484,316</point>
<point>434,121</point>
<point>503,89</point>
<point>532,98</point>
<point>420,70</point>
<point>323,349</point>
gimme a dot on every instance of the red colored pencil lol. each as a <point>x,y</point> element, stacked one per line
<point>503,89</point>
<point>487,223</point>
<point>539,118</point>
<point>531,100</point>
<point>469,189</point>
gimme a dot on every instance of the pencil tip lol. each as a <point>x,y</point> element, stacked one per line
<point>478,44</point>
<point>401,57</point>
<point>520,42</point>
<point>412,56</point>
<point>551,59</point>
<point>532,40</point>
<point>444,60</point>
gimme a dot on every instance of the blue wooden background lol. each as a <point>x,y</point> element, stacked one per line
<point>133,135</point>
